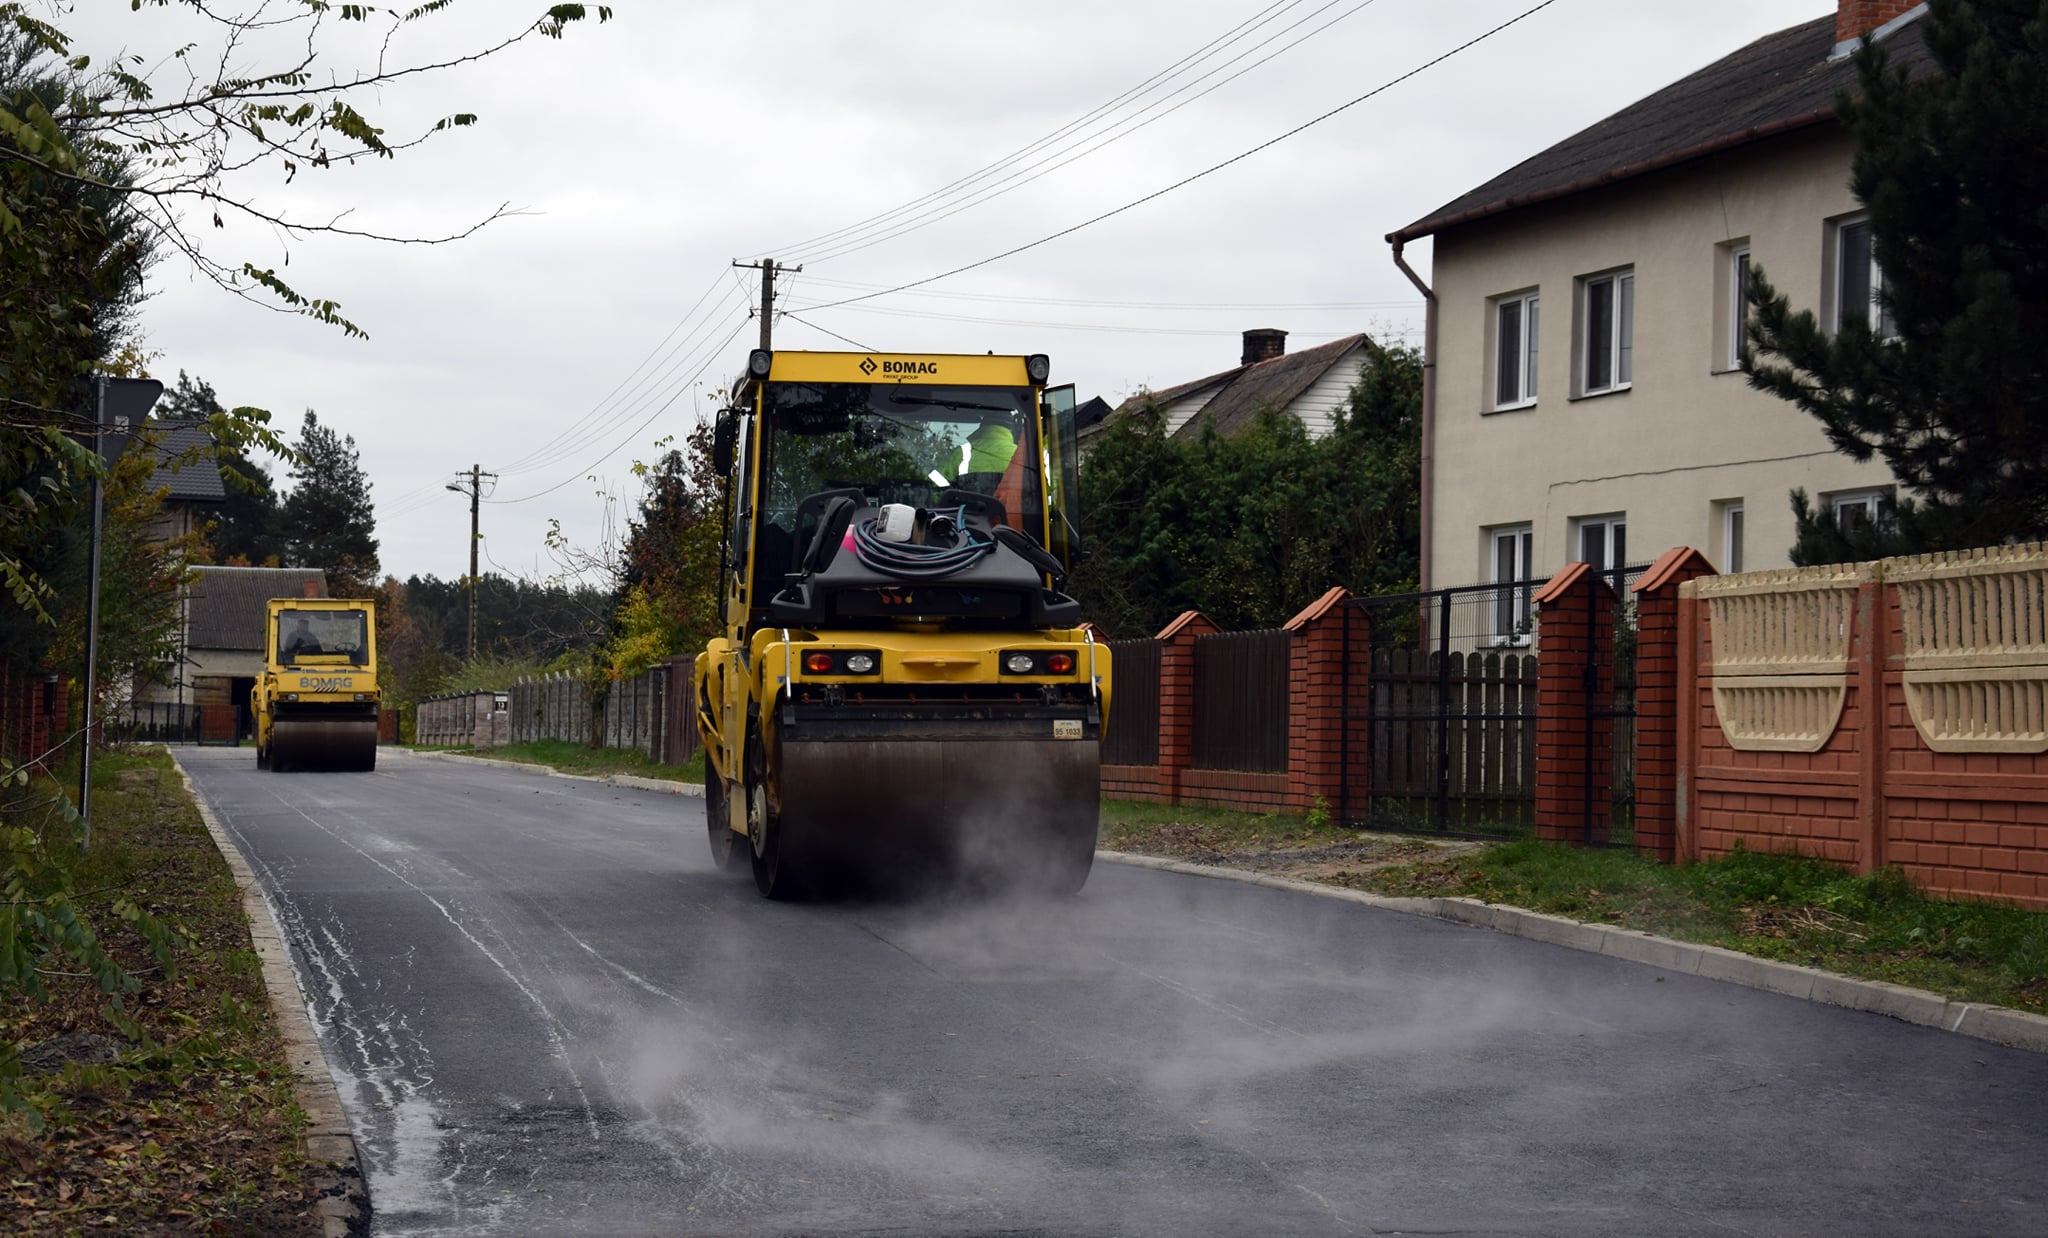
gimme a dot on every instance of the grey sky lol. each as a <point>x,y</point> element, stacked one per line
<point>649,152</point>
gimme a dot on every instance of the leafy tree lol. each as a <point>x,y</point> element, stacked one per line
<point>669,586</point>
<point>1952,396</point>
<point>245,529</point>
<point>1250,527</point>
<point>327,520</point>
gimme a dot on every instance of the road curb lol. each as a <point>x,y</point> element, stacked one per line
<point>344,1199</point>
<point>2015,1029</point>
<point>616,780</point>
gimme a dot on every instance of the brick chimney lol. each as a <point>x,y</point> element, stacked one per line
<point>1263,344</point>
<point>1856,18</point>
<point>311,587</point>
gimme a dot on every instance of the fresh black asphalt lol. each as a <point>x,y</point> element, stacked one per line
<point>549,1014</point>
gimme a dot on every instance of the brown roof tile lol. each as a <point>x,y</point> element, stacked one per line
<point>1779,83</point>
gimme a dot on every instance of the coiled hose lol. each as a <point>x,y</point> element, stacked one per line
<point>910,561</point>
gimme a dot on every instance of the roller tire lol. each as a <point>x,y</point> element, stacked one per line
<point>776,876</point>
<point>728,853</point>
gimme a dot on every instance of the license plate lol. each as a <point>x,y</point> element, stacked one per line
<point>1066,728</point>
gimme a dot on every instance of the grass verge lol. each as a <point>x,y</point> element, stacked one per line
<point>1783,907</point>
<point>194,1128</point>
<point>576,759</point>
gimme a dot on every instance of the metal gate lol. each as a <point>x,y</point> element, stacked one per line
<point>1611,709</point>
<point>1441,737</point>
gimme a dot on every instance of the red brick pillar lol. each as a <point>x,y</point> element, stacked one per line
<point>1177,698</point>
<point>1316,694</point>
<point>1657,703</point>
<point>1574,678</point>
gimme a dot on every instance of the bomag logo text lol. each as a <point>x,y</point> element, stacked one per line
<point>910,367</point>
<point>327,683</point>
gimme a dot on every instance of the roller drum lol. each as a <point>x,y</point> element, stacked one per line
<point>323,743</point>
<point>1002,811</point>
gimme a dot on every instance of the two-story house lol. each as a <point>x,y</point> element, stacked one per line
<point>1588,400</point>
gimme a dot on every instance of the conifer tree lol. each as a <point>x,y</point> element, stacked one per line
<point>1948,388</point>
<point>327,520</point>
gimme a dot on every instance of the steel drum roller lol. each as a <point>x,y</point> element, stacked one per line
<point>324,743</point>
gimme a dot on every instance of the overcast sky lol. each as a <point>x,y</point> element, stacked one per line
<point>646,154</point>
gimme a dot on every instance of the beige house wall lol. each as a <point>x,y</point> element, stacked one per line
<point>1689,435</point>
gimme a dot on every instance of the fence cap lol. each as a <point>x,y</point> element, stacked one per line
<point>1188,619</point>
<point>1671,564</point>
<point>1567,580</point>
<point>1335,597</point>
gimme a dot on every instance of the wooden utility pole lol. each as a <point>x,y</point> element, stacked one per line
<point>472,485</point>
<point>767,268</point>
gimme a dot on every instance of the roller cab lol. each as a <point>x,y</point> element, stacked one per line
<point>902,686</point>
<point>317,700</point>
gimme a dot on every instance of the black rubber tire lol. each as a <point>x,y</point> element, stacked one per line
<point>776,874</point>
<point>728,851</point>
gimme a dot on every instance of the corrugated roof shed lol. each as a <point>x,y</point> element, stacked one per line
<point>227,602</point>
<point>180,467</point>
<point>1781,82</point>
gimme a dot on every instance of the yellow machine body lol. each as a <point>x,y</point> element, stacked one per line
<point>930,704</point>
<point>316,702</point>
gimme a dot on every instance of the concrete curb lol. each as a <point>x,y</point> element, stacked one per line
<point>527,767</point>
<point>344,1205</point>
<point>2013,1028</point>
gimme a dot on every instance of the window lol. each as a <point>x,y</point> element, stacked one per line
<point>1731,537</point>
<point>1858,283</point>
<point>1511,566</point>
<point>1860,509</point>
<point>1607,311</point>
<point>1515,323</point>
<point>1738,307</point>
<point>1603,542</point>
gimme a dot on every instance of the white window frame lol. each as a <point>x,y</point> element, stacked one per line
<point>1731,537</point>
<point>1738,306</point>
<point>1512,620</point>
<point>1839,266</point>
<point>1529,335</point>
<point>1613,534</point>
<point>1871,502</point>
<point>1618,338</point>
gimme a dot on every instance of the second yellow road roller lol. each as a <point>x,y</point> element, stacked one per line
<point>316,702</point>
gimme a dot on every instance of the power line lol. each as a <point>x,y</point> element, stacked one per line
<point>637,430</point>
<point>1116,133</point>
<point>1231,306</point>
<point>828,331</point>
<point>1257,19</point>
<point>1040,324</point>
<point>1189,180</point>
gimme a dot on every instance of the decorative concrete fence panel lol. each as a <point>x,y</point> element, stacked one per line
<point>463,719</point>
<point>1974,648</point>
<point>1781,655</point>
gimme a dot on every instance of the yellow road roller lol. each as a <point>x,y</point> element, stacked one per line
<point>901,686</point>
<point>316,702</point>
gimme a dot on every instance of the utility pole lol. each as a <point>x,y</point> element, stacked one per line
<point>767,268</point>
<point>472,485</point>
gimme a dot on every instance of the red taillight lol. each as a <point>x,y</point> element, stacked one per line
<point>1059,663</point>
<point>818,663</point>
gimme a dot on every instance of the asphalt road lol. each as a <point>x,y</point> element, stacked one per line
<point>548,1014</point>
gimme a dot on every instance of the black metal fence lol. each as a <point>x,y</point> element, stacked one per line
<point>1241,683</point>
<point>153,722</point>
<point>1617,706</point>
<point>1131,736</point>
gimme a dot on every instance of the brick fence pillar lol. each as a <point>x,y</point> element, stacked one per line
<point>1315,699</point>
<point>1657,704</point>
<point>1177,698</point>
<point>1574,678</point>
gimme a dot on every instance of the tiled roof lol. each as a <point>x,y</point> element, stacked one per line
<point>227,602</point>
<point>1781,82</point>
<point>180,467</point>
<point>1242,392</point>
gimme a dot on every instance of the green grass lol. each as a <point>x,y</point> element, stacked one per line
<point>1782,907</point>
<point>576,759</point>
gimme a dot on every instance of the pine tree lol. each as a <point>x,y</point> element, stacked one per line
<point>327,520</point>
<point>1952,398</point>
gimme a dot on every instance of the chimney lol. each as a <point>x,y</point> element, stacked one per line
<point>1263,344</point>
<point>312,588</point>
<point>1856,18</point>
